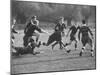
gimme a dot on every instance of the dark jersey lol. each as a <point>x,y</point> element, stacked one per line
<point>84,30</point>
<point>59,27</point>
<point>31,30</point>
<point>73,30</point>
<point>28,25</point>
<point>35,22</point>
<point>78,27</point>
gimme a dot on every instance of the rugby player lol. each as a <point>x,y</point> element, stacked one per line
<point>57,35</point>
<point>60,26</point>
<point>85,39</point>
<point>13,31</point>
<point>72,30</point>
<point>30,30</point>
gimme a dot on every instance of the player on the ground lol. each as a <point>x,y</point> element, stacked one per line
<point>30,30</point>
<point>84,30</point>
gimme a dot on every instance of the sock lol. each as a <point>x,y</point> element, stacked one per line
<point>83,48</point>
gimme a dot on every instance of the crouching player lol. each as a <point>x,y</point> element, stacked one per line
<point>85,37</point>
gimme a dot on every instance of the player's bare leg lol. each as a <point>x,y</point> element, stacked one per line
<point>37,36</point>
<point>83,48</point>
<point>92,47</point>
<point>75,44</point>
<point>54,44</point>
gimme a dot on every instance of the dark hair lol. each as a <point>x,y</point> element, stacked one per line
<point>83,21</point>
<point>33,17</point>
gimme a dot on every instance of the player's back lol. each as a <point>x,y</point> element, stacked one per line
<point>74,30</point>
<point>84,30</point>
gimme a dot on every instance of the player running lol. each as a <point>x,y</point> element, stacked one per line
<point>57,35</point>
<point>85,37</point>
<point>60,26</point>
<point>72,30</point>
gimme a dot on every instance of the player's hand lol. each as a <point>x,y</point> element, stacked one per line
<point>46,32</point>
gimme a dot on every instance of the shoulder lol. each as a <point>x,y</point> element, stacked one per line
<point>78,27</point>
<point>72,27</point>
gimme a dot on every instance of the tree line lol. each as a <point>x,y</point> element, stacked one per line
<point>50,12</point>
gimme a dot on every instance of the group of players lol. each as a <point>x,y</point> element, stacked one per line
<point>58,33</point>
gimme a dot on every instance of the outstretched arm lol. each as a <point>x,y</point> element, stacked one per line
<point>90,33</point>
<point>79,34</point>
<point>68,32</point>
<point>41,30</point>
<point>78,27</point>
<point>14,31</point>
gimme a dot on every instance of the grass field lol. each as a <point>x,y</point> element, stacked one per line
<point>52,60</point>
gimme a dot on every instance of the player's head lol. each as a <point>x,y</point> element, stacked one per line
<point>34,17</point>
<point>61,20</point>
<point>83,22</point>
<point>14,21</point>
